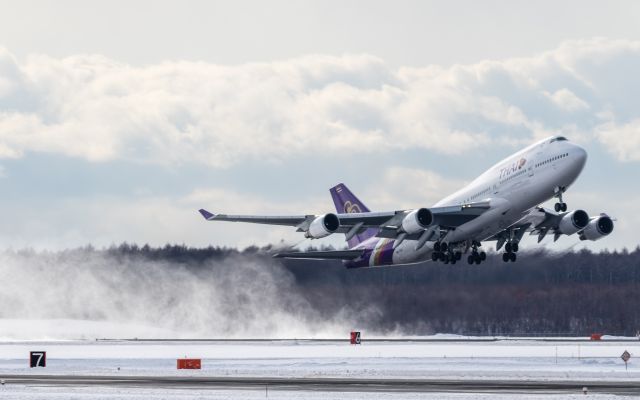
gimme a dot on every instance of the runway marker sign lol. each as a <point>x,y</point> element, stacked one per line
<point>355,338</point>
<point>625,357</point>
<point>189,363</point>
<point>37,359</point>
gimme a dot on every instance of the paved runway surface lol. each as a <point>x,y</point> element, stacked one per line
<point>332,384</point>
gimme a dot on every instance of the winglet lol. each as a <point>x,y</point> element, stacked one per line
<point>206,214</point>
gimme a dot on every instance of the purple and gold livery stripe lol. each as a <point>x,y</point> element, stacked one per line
<point>378,252</point>
<point>383,253</point>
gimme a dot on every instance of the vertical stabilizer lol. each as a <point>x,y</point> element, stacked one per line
<point>346,202</point>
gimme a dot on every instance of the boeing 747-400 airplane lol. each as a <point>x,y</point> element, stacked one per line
<point>500,205</point>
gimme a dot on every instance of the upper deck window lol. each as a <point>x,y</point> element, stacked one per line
<point>558,139</point>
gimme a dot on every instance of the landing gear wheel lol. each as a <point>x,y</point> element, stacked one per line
<point>507,247</point>
<point>514,247</point>
<point>513,257</point>
<point>443,247</point>
<point>434,256</point>
<point>475,256</point>
<point>506,257</point>
<point>436,247</point>
<point>560,205</point>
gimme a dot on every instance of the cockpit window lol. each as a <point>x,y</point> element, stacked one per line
<point>558,139</point>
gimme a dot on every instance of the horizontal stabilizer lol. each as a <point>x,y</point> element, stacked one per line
<point>206,214</point>
<point>323,255</point>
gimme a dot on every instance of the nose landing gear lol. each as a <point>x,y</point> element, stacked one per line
<point>561,205</point>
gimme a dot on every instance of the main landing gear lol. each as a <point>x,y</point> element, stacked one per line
<point>561,205</point>
<point>475,256</point>
<point>442,252</point>
<point>511,250</point>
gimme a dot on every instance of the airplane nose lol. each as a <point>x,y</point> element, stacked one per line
<point>580,157</point>
<point>581,154</point>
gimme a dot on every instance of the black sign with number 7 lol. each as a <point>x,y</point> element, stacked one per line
<point>38,359</point>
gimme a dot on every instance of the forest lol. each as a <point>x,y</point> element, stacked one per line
<point>543,293</point>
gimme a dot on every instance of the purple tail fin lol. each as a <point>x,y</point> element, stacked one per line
<point>346,202</point>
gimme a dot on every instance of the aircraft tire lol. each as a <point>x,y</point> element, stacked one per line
<point>483,255</point>
<point>505,257</point>
<point>507,247</point>
<point>513,257</point>
<point>470,259</point>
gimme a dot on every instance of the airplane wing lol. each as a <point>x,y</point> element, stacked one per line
<point>323,255</point>
<point>289,220</point>
<point>388,222</point>
<point>540,221</point>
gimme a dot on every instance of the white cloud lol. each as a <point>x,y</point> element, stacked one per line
<point>406,188</point>
<point>94,108</point>
<point>622,140</point>
<point>97,109</point>
<point>567,100</point>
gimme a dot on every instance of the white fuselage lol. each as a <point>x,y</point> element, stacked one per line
<point>513,186</point>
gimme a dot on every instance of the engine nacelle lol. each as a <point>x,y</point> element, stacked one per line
<point>597,228</point>
<point>417,220</point>
<point>573,222</point>
<point>323,226</point>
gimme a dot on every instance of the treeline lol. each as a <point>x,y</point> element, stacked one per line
<point>574,293</point>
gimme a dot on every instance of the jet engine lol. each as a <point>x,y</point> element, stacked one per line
<point>597,228</point>
<point>323,226</point>
<point>573,222</point>
<point>417,220</point>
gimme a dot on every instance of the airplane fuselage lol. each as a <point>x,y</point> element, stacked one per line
<point>513,186</point>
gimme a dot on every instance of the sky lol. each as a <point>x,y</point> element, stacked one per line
<point>118,120</point>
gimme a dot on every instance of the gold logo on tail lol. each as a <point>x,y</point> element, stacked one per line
<point>351,208</point>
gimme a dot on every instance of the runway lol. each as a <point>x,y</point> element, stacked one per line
<point>332,384</point>
<point>413,368</point>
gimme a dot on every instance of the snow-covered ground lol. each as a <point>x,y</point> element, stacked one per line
<point>524,359</point>
<point>495,360</point>
<point>92,393</point>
